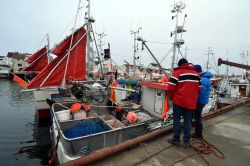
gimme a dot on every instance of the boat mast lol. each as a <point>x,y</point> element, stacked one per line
<point>87,18</point>
<point>208,58</point>
<point>247,64</point>
<point>48,48</point>
<point>101,59</point>
<point>227,68</point>
<point>178,7</point>
<point>135,34</point>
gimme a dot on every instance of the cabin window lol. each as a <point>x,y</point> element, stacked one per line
<point>158,92</point>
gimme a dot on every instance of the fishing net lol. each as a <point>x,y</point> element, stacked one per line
<point>86,128</point>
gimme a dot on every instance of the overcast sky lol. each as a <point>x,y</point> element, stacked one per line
<point>222,25</point>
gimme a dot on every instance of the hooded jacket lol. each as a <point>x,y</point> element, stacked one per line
<point>183,86</point>
<point>204,94</point>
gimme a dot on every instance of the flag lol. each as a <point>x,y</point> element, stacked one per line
<point>20,81</point>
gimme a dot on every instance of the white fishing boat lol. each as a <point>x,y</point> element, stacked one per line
<point>71,66</point>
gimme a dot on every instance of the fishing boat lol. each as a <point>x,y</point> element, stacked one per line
<point>101,128</point>
<point>72,65</point>
<point>98,126</point>
<point>37,62</point>
<point>108,125</point>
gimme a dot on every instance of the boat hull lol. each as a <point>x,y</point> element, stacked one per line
<point>73,148</point>
<point>42,107</point>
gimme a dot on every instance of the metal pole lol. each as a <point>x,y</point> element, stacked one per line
<point>143,42</point>
<point>208,52</point>
<point>135,47</point>
<point>88,40</point>
<point>101,35</point>
<point>134,53</point>
<point>97,51</point>
<point>175,39</point>
<point>227,68</point>
<point>48,48</point>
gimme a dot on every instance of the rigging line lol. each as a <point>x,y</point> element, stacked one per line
<point>36,59</point>
<point>62,60</point>
<point>79,13</point>
<point>118,66</point>
<point>212,65</point>
<point>40,43</point>
<point>59,38</point>
<point>71,42</point>
<point>158,42</point>
<point>180,52</point>
<point>166,54</point>
<point>217,68</point>
<point>99,56</point>
<point>183,25</point>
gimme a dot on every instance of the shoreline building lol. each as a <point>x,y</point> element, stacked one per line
<point>17,61</point>
<point>4,67</point>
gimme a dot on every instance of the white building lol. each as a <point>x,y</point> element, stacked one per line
<point>17,61</point>
<point>4,67</point>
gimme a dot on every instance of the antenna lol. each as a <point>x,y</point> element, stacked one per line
<point>177,10</point>
<point>135,33</point>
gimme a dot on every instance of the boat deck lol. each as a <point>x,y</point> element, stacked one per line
<point>229,132</point>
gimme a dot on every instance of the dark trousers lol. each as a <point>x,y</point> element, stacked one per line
<point>179,112</point>
<point>198,120</point>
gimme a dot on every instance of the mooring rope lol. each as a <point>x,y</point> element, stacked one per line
<point>54,150</point>
<point>201,146</point>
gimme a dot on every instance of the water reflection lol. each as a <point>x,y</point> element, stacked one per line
<point>38,147</point>
<point>23,140</point>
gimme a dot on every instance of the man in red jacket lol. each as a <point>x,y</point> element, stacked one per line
<point>183,89</point>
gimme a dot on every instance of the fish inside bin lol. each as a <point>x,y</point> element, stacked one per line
<point>115,123</point>
<point>106,117</point>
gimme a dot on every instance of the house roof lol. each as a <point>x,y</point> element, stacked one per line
<point>2,65</point>
<point>16,55</point>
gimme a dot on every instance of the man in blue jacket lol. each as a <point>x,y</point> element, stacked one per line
<point>203,99</point>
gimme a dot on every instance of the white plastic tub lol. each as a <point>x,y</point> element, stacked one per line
<point>80,115</point>
<point>63,115</point>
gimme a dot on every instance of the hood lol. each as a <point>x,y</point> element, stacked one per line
<point>189,66</point>
<point>207,74</point>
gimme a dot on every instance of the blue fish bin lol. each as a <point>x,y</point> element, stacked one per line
<point>84,128</point>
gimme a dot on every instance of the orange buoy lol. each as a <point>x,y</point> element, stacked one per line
<point>132,117</point>
<point>118,109</point>
<point>75,107</point>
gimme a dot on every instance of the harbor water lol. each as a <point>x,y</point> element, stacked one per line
<point>22,141</point>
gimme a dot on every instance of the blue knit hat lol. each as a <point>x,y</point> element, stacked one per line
<point>198,68</point>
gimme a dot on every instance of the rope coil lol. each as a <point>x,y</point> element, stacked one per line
<point>201,146</point>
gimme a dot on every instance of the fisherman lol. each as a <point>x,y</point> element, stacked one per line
<point>203,99</point>
<point>183,89</point>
